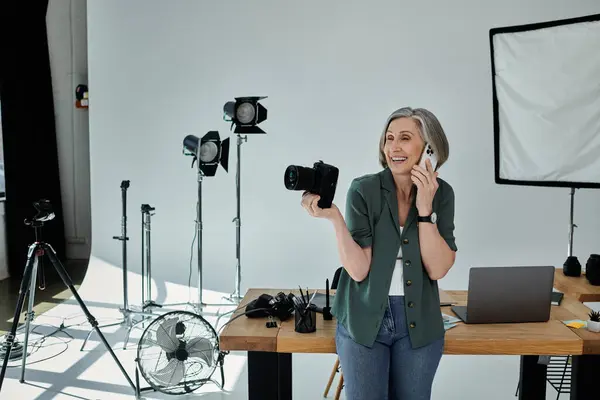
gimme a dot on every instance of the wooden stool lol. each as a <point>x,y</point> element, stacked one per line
<point>336,369</point>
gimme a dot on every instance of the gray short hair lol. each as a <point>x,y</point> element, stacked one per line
<point>430,129</point>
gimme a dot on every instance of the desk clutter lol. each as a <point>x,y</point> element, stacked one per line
<point>304,307</point>
<point>450,321</point>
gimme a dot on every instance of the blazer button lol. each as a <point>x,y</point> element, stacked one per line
<point>407,263</point>
<point>405,241</point>
<point>408,282</point>
<point>413,325</point>
<point>411,304</point>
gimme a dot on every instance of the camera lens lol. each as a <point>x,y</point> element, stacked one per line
<point>299,178</point>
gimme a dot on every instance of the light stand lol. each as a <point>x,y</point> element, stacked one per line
<point>125,310</point>
<point>572,226</point>
<point>200,305</point>
<point>146,253</point>
<point>246,113</point>
<point>572,266</point>
<point>37,250</point>
<point>236,296</point>
<point>207,152</point>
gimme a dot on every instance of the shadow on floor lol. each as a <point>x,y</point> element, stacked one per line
<point>54,293</point>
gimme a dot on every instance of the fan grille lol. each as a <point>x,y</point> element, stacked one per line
<point>178,352</point>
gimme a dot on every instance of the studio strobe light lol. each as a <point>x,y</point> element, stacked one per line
<point>546,103</point>
<point>245,113</point>
<point>209,152</point>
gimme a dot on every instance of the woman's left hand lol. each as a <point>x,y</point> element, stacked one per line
<point>427,185</point>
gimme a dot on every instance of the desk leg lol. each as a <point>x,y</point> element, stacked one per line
<point>532,379</point>
<point>269,376</point>
<point>584,376</point>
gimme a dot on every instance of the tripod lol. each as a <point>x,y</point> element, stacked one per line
<point>37,250</point>
<point>126,311</point>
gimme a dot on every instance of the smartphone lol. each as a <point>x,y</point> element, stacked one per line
<point>428,153</point>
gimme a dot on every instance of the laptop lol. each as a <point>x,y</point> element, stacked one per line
<point>508,295</point>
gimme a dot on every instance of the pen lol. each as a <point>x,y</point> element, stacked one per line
<point>311,299</point>
<point>301,294</point>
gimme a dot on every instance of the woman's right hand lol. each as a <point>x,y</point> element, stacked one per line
<point>309,202</point>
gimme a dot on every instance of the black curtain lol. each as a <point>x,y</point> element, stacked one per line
<point>28,131</point>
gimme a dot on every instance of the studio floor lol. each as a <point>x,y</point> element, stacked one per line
<point>57,368</point>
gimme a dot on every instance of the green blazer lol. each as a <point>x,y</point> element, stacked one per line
<point>372,219</point>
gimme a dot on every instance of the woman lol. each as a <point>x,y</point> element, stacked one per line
<point>397,240</point>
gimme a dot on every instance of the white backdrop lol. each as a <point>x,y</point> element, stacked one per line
<point>333,71</point>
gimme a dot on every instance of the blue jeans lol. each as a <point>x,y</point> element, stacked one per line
<point>391,369</point>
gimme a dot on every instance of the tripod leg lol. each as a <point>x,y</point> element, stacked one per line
<point>86,339</point>
<point>22,291</point>
<point>29,316</point>
<point>130,325</point>
<point>92,331</point>
<point>67,280</point>
<point>127,336</point>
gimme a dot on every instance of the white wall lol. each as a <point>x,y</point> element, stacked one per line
<point>67,41</point>
<point>333,71</point>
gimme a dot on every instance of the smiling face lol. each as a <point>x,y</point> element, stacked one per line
<point>403,145</point>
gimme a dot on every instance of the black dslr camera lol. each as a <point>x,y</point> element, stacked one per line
<point>321,180</point>
<point>280,306</point>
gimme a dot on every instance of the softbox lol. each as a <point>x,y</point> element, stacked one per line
<point>546,103</point>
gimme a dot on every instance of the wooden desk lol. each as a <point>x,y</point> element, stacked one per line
<point>577,287</point>
<point>551,338</point>
<point>270,349</point>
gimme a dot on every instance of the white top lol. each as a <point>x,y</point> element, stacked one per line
<point>397,286</point>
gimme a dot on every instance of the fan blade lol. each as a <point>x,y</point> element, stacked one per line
<point>171,374</point>
<point>165,336</point>
<point>202,348</point>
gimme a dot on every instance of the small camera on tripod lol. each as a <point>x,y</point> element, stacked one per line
<point>44,213</point>
<point>321,180</point>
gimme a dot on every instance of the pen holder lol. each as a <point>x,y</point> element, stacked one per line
<point>305,321</point>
